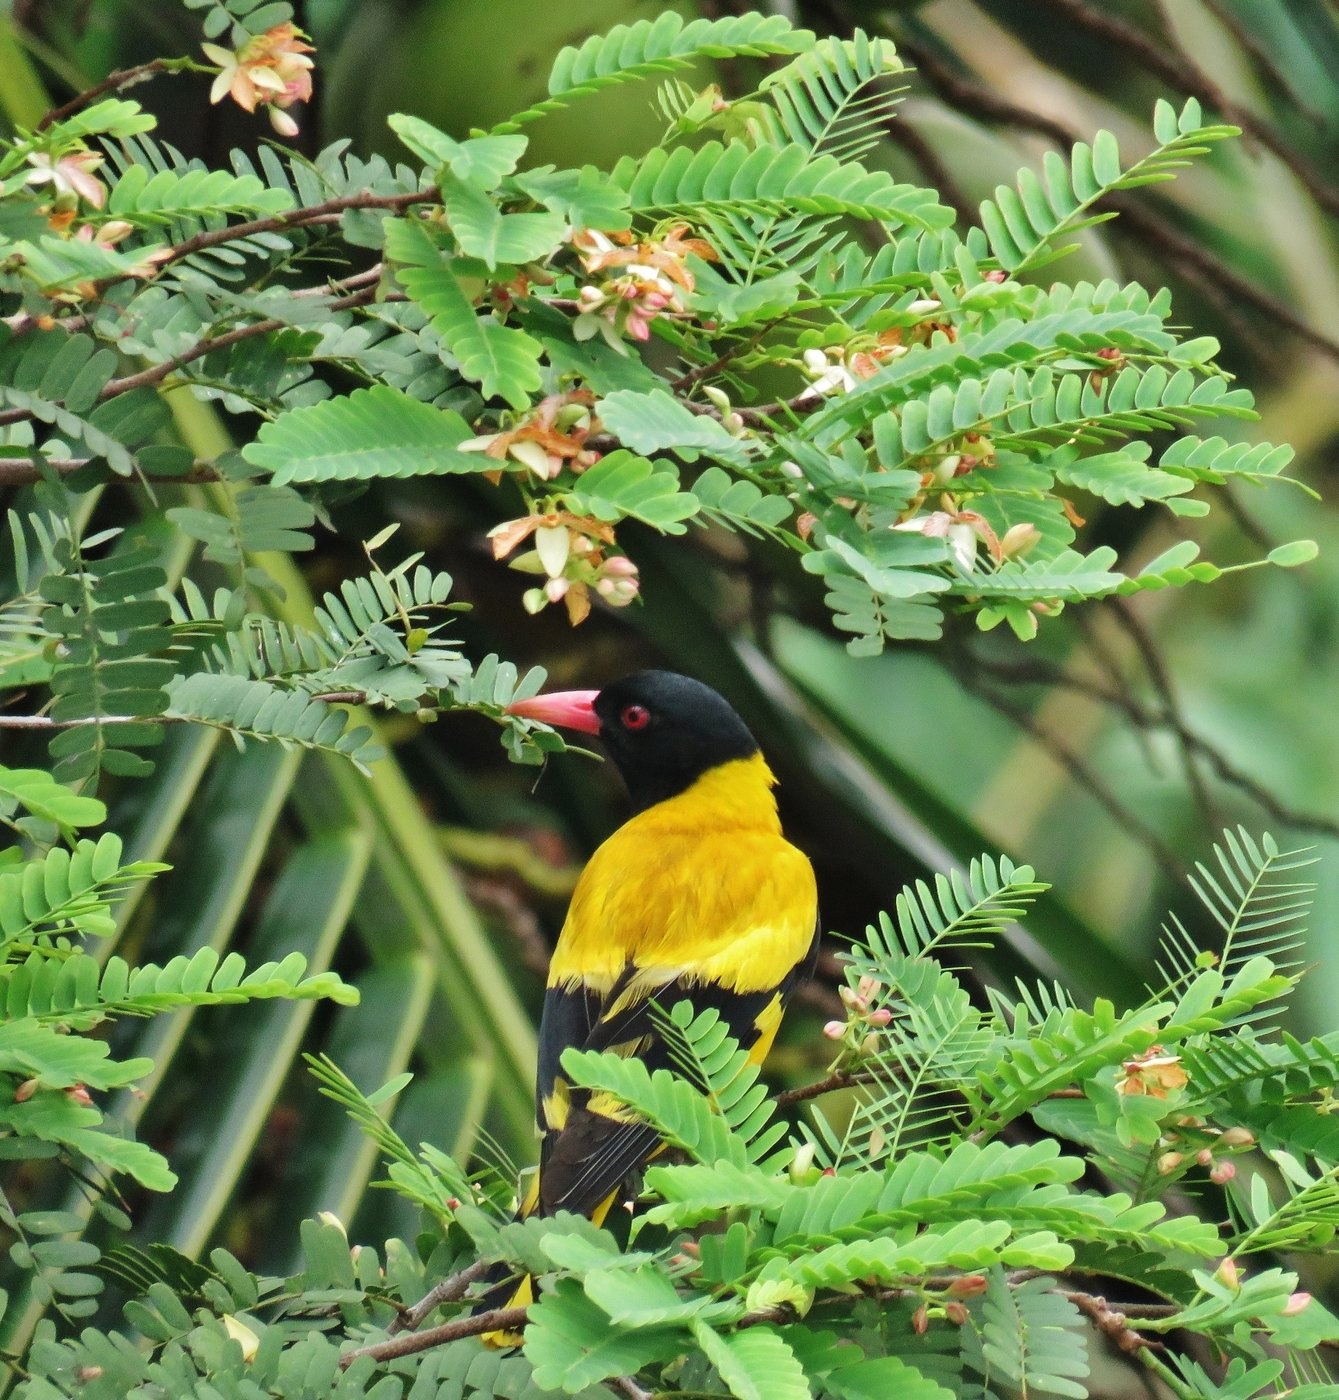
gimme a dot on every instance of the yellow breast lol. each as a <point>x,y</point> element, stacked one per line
<point>702,885</point>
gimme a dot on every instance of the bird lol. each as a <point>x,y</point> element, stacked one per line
<point>697,896</point>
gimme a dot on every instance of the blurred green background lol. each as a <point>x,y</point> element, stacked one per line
<point>1109,754</point>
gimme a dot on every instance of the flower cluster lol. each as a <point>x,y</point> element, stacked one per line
<point>71,179</point>
<point>966,529</point>
<point>1190,1141</point>
<point>550,437</point>
<point>270,70</point>
<point>571,552</point>
<point>857,1032</point>
<point>631,283</point>
<point>1154,1073</point>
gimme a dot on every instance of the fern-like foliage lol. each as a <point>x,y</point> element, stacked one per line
<point>640,50</point>
<point>65,892</point>
<point>1031,1338</point>
<point>1023,225</point>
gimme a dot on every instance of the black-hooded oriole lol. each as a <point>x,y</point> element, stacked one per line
<point>698,896</point>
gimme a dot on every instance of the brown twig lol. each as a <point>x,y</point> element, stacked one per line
<point>628,1388</point>
<point>1113,1323</point>
<point>113,82</point>
<point>840,1079</point>
<point>449,1290</point>
<point>1173,716</point>
<point>1042,672</point>
<point>155,374</point>
<point>410,1343</point>
<point>46,723</point>
<point>20,471</point>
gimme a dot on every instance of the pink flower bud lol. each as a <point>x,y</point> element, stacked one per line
<point>880,1016</point>
<point>1223,1173</point>
<point>956,1313</point>
<point>638,327</point>
<point>620,566</point>
<point>1237,1137</point>
<point>1297,1303</point>
<point>834,1030</point>
<point>1228,1273</point>
<point>1168,1163</point>
<point>1204,1157</point>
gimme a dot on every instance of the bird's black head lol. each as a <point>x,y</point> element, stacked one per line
<point>665,730</point>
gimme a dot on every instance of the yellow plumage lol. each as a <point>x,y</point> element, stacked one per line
<point>697,896</point>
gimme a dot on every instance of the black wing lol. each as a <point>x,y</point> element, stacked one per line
<point>587,1156</point>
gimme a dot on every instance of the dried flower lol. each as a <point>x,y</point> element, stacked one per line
<point>550,437</point>
<point>651,279</point>
<point>963,529</point>
<point>270,70</point>
<point>1153,1073</point>
<point>71,175</point>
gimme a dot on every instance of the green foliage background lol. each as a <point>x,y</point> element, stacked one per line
<point>1106,752</point>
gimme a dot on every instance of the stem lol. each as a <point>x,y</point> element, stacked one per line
<point>408,1344</point>
<point>114,82</point>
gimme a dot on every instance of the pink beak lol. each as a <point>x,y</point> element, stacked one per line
<point>564,709</point>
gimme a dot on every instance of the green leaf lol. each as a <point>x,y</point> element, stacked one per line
<point>585,198</point>
<point>745,180</point>
<point>881,1377</point>
<point>369,433</point>
<point>481,161</point>
<point>502,359</point>
<point>622,484</point>
<point>631,51</point>
<point>755,1363</point>
<point>36,790</point>
<point>658,422</point>
<point>484,231</point>
<point>572,1344</point>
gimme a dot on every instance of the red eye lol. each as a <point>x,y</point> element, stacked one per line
<point>635,717</point>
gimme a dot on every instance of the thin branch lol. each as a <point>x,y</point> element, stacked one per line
<point>155,374</point>
<point>1041,672</point>
<point>839,1079</point>
<point>410,1343</point>
<point>298,218</point>
<point>20,471</point>
<point>628,1388</point>
<point>449,1290</point>
<point>47,724</point>
<point>1263,60</point>
<point>1113,1323</point>
<point>114,82</point>
<point>1173,715</point>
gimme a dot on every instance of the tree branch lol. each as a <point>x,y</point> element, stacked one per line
<point>115,82</point>
<point>450,1290</point>
<point>410,1343</point>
